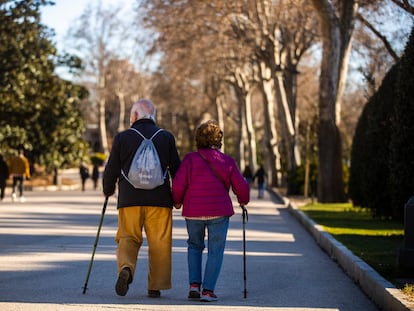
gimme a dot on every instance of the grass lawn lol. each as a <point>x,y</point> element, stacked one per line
<point>375,241</point>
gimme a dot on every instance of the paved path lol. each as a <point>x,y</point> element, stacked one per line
<point>46,244</point>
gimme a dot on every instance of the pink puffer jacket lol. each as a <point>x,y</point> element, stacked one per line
<point>200,191</point>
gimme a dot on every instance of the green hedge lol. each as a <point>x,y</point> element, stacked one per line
<point>382,156</point>
<point>402,134</point>
<point>369,173</point>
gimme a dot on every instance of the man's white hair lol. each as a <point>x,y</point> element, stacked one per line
<point>144,109</point>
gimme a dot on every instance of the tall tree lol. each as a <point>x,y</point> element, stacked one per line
<point>243,82</point>
<point>38,110</point>
<point>337,25</point>
<point>277,34</point>
<point>99,37</point>
<point>242,35</point>
<point>124,86</point>
<point>195,71</point>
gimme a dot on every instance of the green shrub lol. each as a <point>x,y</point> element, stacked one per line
<point>382,161</point>
<point>296,180</point>
<point>402,134</point>
<point>369,173</point>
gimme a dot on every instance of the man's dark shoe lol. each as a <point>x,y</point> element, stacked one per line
<point>124,279</point>
<point>154,293</point>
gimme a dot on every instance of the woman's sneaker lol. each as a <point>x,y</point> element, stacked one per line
<point>194,291</point>
<point>208,296</point>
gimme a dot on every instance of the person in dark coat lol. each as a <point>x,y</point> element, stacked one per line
<point>95,176</point>
<point>248,174</point>
<point>4,175</point>
<point>260,175</point>
<point>84,174</point>
<point>140,208</point>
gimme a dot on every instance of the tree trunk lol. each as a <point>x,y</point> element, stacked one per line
<point>307,161</point>
<point>101,77</point>
<point>121,122</point>
<point>242,134</point>
<point>251,135</point>
<point>286,108</point>
<point>287,125</point>
<point>242,88</point>
<point>102,125</point>
<point>291,83</point>
<point>348,16</point>
<point>273,155</point>
<point>220,117</point>
<point>330,175</point>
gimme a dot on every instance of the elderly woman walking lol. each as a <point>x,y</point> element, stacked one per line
<point>201,186</point>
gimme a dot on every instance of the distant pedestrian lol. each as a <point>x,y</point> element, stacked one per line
<point>84,174</point>
<point>260,175</point>
<point>95,176</point>
<point>202,186</point>
<point>20,170</point>
<point>248,174</point>
<point>4,175</point>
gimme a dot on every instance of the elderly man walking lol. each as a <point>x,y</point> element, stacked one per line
<point>139,209</point>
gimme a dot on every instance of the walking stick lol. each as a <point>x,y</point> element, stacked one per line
<point>95,245</point>
<point>245,219</point>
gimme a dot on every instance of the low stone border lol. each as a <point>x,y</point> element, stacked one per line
<point>382,292</point>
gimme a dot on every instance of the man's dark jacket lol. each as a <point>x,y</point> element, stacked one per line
<point>123,150</point>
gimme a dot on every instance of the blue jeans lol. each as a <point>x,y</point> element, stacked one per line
<point>217,234</point>
<point>261,189</point>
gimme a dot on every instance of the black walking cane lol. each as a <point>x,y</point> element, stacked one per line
<point>245,219</point>
<point>95,245</point>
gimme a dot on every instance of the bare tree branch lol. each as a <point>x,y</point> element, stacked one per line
<point>380,36</point>
<point>405,5</point>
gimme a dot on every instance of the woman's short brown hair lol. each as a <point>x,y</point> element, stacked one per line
<point>208,135</point>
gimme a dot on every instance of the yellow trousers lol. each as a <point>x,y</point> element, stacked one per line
<point>157,223</point>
